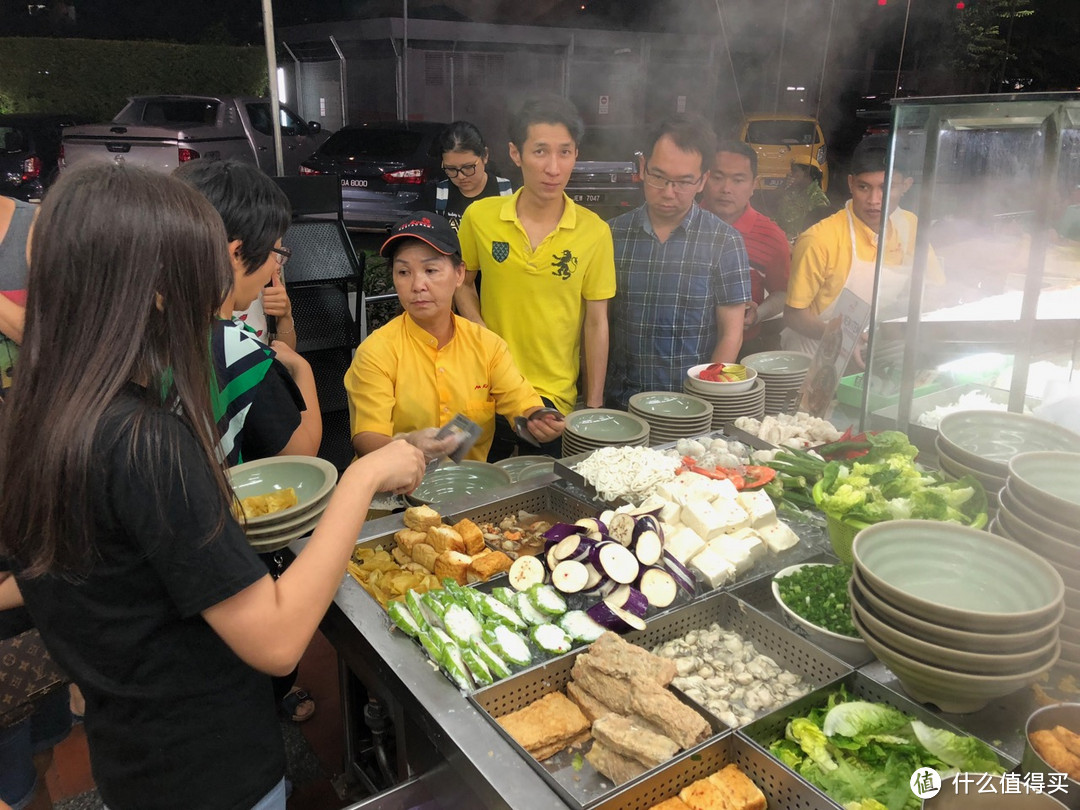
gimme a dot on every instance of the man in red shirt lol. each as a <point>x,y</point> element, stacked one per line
<point>727,193</point>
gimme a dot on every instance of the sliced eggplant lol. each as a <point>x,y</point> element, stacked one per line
<point>606,516</point>
<point>570,576</point>
<point>614,618</point>
<point>616,562</point>
<point>646,523</point>
<point>683,577</point>
<point>629,599</point>
<point>591,524</point>
<point>595,577</point>
<point>648,547</point>
<point>603,589</point>
<point>658,586</point>
<point>622,528</point>
<point>561,530</point>
<point>526,572</point>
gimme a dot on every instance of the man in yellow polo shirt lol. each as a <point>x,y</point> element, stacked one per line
<point>841,252</point>
<point>548,267</point>
<point>427,365</point>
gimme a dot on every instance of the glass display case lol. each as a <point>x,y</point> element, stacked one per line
<point>989,310</point>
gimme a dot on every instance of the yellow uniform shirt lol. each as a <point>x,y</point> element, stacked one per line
<point>821,259</point>
<point>400,381</point>
<point>534,299</point>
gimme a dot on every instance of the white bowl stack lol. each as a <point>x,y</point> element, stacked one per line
<point>672,416</point>
<point>729,405</point>
<point>783,374</point>
<point>1040,509</point>
<point>593,428</point>
<point>981,444</point>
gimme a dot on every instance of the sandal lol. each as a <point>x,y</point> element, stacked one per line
<point>298,705</point>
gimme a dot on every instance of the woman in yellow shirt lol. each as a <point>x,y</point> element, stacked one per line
<point>414,374</point>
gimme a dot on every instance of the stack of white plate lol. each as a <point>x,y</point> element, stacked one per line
<point>313,479</point>
<point>592,428</point>
<point>1040,509</point>
<point>672,416</point>
<point>729,405</point>
<point>981,444</point>
<point>783,373</point>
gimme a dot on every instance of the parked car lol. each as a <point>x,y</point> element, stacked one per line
<point>29,151</point>
<point>609,188</point>
<point>779,137</point>
<point>161,132</point>
<point>383,168</point>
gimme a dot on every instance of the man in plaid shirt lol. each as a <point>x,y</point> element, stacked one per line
<point>682,275</point>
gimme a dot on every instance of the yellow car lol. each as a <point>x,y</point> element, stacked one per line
<point>779,137</point>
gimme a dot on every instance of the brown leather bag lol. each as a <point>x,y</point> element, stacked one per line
<point>27,674</point>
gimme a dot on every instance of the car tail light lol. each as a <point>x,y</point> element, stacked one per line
<point>307,170</point>
<point>184,155</point>
<point>31,168</point>
<point>821,155</point>
<point>411,176</point>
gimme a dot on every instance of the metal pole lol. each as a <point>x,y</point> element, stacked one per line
<point>824,64</point>
<point>342,80</point>
<point>405,61</point>
<point>297,82</point>
<point>1008,43</point>
<point>271,66</point>
<point>731,62</point>
<point>903,43</point>
<point>780,59</point>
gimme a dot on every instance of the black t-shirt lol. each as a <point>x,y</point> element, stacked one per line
<point>174,718</point>
<point>456,202</point>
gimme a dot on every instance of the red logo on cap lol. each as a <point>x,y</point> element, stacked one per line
<point>423,223</point>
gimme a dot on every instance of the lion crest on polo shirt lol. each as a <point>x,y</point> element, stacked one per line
<point>500,251</point>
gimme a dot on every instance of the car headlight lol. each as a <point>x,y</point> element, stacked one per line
<point>821,155</point>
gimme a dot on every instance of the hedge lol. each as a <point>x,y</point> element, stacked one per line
<point>95,77</point>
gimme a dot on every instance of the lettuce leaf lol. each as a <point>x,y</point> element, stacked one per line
<point>961,752</point>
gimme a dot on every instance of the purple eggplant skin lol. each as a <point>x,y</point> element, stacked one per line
<point>646,522</point>
<point>560,531</point>
<point>604,616</point>
<point>683,577</point>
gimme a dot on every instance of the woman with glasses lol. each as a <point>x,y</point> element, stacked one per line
<point>465,159</point>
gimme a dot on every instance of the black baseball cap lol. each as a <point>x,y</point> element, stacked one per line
<point>426,226</point>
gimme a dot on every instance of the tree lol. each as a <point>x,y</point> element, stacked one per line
<point>983,51</point>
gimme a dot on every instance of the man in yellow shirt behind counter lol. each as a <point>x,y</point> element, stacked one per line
<point>427,365</point>
<point>840,252</point>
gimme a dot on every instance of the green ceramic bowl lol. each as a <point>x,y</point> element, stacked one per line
<point>671,405</point>
<point>957,469</point>
<point>958,576</point>
<point>1024,513</point>
<point>1048,482</point>
<point>602,425</point>
<point>950,637</point>
<point>948,689</point>
<point>1056,552</point>
<point>993,662</point>
<point>313,478</point>
<point>517,466</point>
<point>450,481</point>
<point>987,440</point>
<point>728,386</point>
<point>778,363</point>
<point>981,791</point>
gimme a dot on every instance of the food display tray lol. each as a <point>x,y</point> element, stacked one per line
<point>580,787</point>
<point>782,788</point>
<point>790,650</point>
<point>765,730</point>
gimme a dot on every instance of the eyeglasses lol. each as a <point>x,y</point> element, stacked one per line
<point>678,186</point>
<point>282,254</point>
<point>465,171</point>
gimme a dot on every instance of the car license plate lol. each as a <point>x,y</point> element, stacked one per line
<point>588,198</point>
<point>772,182</point>
<point>354,183</point>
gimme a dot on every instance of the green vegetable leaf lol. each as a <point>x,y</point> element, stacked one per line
<point>578,762</point>
<point>812,741</point>
<point>860,719</point>
<point>962,753</point>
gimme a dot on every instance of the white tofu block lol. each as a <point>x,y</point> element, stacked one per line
<point>669,528</point>
<point>709,489</point>
<point>703,518</point>
<point>778,536</point>
<point>759,506</point>
<point>683,544</point>
<point>712,568</point>
<point>670,513</point>
<point>723,489</point>
<point>733,551</point>
<point>652,503</point>
<point>672,491</point>
<point>732,516</point>
<point>750,539</point>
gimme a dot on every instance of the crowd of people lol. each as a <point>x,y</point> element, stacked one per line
<point>149,345</point>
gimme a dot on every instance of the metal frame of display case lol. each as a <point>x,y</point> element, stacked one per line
<point>1053,112</point>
